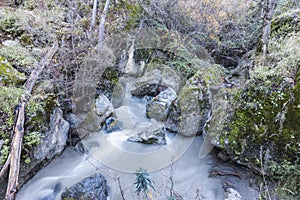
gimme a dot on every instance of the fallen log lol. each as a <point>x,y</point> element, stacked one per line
<point>18,132</point>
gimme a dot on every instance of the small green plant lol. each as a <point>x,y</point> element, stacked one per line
<point>4,153</point>
<point>143,183</point>
<point>11,24</point>
<point>32,139</point>
<point>287,176</point>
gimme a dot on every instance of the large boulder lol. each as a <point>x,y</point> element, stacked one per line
<point>52,144</point>
<point>261,119</point>
<point>172,79</point>
<point>95,118</point>
<point>150,135</point>
<point>148,84</point>
<point>158,107</point>
<point>193,100</point>
<point>157,77</point>
<point>169,77</point>
<point>119,92</point>
<point>91,188</point>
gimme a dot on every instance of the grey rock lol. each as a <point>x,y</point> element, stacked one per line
<point>118,93</point>
<point>158,107</point>
<point>147,84</point>
<point>173,117</point>
<point>150,135</point>
<point>169,77</point>
<point>52,144</point>
<point>73,120</point>
<point>193,110</point>
<point>172,79</point>
<point>157,75</point>
<point>91,188</point>
<point>230,193</point>
<point>55,140</point>
<point>220,105</point>
<point>96,117</point>
<point>194,101</point>
<point>104,108</point>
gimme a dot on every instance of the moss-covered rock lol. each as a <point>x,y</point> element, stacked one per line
<point>8,74</point>
<point>262,117</point>
<point>194,99</point>
<point>18,55</point>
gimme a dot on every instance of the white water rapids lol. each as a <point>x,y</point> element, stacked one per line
<point>114,157</point>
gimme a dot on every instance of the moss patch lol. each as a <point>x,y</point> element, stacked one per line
<point>8,74</point>
<point>19,56</point>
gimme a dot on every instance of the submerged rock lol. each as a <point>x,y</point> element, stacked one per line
<point>91,188</point>
<point>56,190</point>
<point>150,135</point>
<point>158,108</point>
<point>230,193</point>
<point>111,125</point>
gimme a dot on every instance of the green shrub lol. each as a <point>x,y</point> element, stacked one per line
<point>10,24</point>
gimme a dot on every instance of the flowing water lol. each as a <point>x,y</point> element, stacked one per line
<point>175,165</point>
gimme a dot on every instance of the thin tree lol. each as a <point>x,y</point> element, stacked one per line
<point>102,26</point>
<point>93,20</point>
<point>268,9</point>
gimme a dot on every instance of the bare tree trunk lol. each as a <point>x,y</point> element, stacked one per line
<point>102,26</point>
<point>16,147</point>
<point>93,20</point>
<point>268,9</point>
